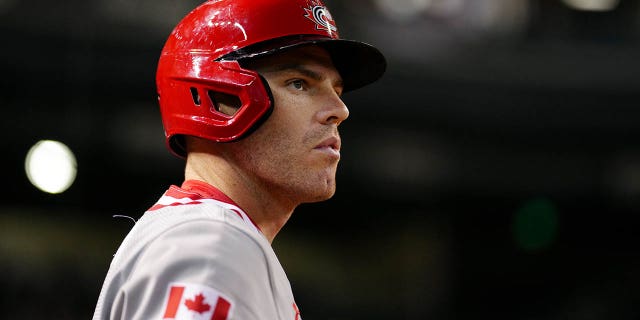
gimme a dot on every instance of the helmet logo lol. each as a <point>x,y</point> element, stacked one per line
<point>319,14</point>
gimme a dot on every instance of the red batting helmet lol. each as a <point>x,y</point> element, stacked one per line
<point>201,60</point>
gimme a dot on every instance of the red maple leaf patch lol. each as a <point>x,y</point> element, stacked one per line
<point>197,304</point>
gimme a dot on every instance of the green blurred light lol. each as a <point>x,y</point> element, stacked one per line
<point>535,224</point>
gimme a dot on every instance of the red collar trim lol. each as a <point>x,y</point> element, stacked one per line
<point>206,191</point>
<point>193,192</point>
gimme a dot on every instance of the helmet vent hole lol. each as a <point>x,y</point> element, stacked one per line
<point>196,96</point>
<point>224,103</point>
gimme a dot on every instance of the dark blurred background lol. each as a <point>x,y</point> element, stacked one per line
<point>493,173</point>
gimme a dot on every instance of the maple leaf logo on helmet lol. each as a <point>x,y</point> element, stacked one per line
<point>320,15</point>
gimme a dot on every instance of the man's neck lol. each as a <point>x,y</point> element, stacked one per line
<point>268,211</point>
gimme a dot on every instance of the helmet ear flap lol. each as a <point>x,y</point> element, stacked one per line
<point>190,103</point>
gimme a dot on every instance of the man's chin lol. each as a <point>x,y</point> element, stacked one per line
<point>323,195</point>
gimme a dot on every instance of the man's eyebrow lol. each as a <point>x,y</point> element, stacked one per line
<point>302,70</point>
<point>296,67</point>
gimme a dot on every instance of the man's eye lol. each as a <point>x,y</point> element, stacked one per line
<point>297,84</point>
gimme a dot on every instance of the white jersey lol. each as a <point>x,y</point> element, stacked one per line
<point>195,255</point>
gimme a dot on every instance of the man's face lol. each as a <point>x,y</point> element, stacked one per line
<point>295,153</point>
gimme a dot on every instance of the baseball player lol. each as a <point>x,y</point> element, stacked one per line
<point>250,95</point>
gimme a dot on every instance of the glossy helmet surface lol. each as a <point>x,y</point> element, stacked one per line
<point>201,59</point>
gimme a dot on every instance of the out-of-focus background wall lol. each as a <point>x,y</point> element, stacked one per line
<point>494,172</point>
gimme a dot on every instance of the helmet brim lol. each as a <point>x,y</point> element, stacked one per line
<point>358,63</point>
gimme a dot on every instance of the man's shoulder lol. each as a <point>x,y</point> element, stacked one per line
<point>193,242</point>
<point>207,226</point>
<point>200,222</point>
<point>190,246</point>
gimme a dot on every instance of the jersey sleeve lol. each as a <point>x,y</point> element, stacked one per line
<point>200,267</point>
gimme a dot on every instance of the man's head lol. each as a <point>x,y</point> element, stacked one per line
<point>295,152</point>
<point>207,64</point>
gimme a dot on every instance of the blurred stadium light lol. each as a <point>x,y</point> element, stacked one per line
<point>592,5</point>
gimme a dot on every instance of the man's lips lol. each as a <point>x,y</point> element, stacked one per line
<point>330,145</point>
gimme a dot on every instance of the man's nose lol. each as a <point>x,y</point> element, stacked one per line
<point>335,111</point>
